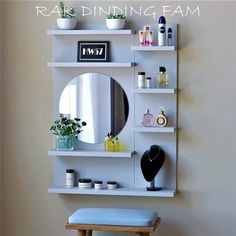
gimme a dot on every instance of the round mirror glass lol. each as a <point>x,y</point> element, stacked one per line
<point>98,100</point>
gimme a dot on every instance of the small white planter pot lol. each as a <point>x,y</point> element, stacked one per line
<point>66,23</point>
<point>115,24</point>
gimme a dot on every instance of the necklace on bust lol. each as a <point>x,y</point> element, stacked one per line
<point>152,159</point>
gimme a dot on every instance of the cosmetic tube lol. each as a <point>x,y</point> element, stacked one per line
<point>141,38</point>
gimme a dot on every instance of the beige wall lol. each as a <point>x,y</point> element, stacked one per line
<point>0,117</point>
<point>206,166</point>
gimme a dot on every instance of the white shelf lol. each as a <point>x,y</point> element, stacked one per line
<point>91,64</point>
<point>154,90</point>
<point>90,32</point>
<point>114,192</point>
<point>153,48</point>
<point>90,154</point>
<point>153,129</point>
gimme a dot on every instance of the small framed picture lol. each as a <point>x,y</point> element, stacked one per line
<point>93,51</point>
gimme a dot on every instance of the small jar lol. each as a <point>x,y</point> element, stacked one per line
<point>98,185</point>
<point>111,184</point>
<point>85,183</point>
<point>70,178</point>
<point>141,79</point>
<point>148,82</point>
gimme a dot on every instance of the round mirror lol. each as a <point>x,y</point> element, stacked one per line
<point>99,101</point>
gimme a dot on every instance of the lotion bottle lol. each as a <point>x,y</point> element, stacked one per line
<point>162,31</point>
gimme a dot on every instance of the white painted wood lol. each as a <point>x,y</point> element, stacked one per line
<point>153,48</point>
<point>88,153</point>
<point>154,129</point>
<point>154,90</point>
<point>90,32</point>
<point>114,192</point>
<point>91,64</point>
<point>97,168</point>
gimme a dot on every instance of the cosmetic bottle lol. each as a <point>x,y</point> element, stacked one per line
<point>141,79</point>
<point>141,37</point>
<point>98,185</point>
<point>162,31</point>
<point>148,119</point>
<point>106,141</point>
<point>146,29</point>
<point>148,82</point>
<point>111,184</point>
<point>162,78</point>
<point>85,183</point>
<point>116,147</point>
<point>110,143</point>
<point>169,37</point>
<point>150,39</point>
<point>70,178</point>
<point>161,119</point>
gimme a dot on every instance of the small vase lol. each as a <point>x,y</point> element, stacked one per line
<point>66,143</point>
<point>115,24</point>
<point>66,23</point>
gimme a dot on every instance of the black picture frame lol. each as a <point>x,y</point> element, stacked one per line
<point>93,51</point>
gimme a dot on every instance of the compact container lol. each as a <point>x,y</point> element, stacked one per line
<point>70,178</point>
<point>85,183</point>
<point>141,79</point>
<point>148,82</point>
<point>111,184</point>
<point>98,185</point>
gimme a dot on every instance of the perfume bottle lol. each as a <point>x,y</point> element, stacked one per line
<point>162,78</point>
<point>148,119</point>
<point>161,119</point>
<point>116,147</point>
<point>106,139</point>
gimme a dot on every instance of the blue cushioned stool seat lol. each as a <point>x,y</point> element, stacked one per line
<point>113,216</point>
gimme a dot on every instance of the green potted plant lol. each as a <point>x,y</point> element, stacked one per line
<point>67,18</point>
<point>66,131</point>
<point>115,21</point>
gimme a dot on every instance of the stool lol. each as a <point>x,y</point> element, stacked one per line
<point>141,222</point>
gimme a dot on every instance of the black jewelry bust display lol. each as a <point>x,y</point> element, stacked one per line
<point>151,162</point>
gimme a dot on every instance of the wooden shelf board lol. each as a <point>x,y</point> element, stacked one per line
<point>91,32</point>
<point>91,64</point>
<point>154,90</point>
<point>113,192</point>
<point>153,48</point>
<point>91,154</point>
<point>154,129</point>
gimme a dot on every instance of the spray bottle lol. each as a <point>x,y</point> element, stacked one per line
<point>162,31</point>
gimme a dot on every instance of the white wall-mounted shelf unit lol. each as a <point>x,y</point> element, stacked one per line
<point>90,32</point>
<point>91,64</point>
<point>87,153</point>
<point>154,48</point>
<point>154,90</point>
<point>153,129</point>
<point>114,192</point>
<point>90,161</point>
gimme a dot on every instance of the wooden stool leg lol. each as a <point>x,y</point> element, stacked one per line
<point>138,234</point>
<point>89,233</point>
<point>81,232</point>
